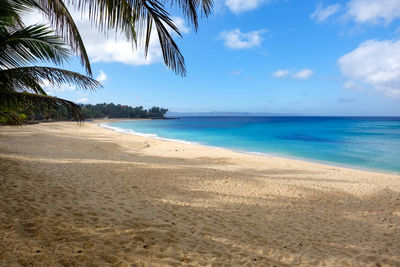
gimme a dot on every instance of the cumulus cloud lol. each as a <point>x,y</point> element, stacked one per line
<point>239,6</point>
<point>375,63</point>
<point>361,11</point>
<point>111,46</point>
<point>83,100</point>
<point>102,77</point>
<point>303,74</point>
<point>374,12</point>
<point>281,73</point>
<point>322,13</point>
<point>235,39</point>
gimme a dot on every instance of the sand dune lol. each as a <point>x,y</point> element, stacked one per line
<point>84,195</point>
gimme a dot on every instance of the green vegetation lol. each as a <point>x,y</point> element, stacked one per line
<point>121,111</point>
<point>98,111</point>
<point>21,83</point>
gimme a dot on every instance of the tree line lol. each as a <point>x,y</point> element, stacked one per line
<point>98,111</point>
<point>121,111</point>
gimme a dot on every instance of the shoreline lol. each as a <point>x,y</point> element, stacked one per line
<point>268,155</point>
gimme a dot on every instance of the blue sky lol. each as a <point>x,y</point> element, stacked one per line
<point>307,57</point>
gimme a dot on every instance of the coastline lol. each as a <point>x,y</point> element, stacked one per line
<point>81,194</point>
<point>104,123</point>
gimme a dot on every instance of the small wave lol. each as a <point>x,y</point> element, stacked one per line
<point>154,136</point>
<point>257,153</point>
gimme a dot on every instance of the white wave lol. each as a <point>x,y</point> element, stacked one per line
<point>154,136</point>
<point>257,153</point>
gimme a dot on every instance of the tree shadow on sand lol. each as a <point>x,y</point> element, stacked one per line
<point>162,213</point>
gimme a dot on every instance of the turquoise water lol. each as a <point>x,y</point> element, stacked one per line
<point>361,142</point>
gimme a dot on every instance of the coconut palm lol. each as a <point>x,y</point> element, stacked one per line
<point>21,85</point>
<point>134,18</point>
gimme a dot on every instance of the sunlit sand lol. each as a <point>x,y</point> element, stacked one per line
<point>85,195</point>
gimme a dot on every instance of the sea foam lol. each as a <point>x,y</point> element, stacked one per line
<point>154,136</point>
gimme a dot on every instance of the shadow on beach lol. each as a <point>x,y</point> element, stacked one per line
<point>74,201</point>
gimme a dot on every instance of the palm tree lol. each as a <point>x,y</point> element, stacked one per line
<point>20,45</point>
<point>21,85</point>
<point>134,18</point>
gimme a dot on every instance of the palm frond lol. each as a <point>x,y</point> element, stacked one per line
<point>8,117</point>
<point>190,9</point>
<point>172,56</point>
<point>10,12</point>
<point>60,17</point>
<point>32,43</point>
<point>22,87</point>
<point>40,102</point>
<point>132,17</point>
<point>30,79</point>
<point>135,18</point>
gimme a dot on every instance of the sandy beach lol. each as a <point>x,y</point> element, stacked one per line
<point>83,195</point>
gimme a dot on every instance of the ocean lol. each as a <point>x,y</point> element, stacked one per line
<point>371,143</point>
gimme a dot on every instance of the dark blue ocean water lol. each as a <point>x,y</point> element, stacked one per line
<point>361,142</point>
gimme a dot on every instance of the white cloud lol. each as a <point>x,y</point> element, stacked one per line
<point>181,24</point>
<point>83,100</point>
<point>50,88</point>
<point>374,11</point>
<point>322,13</point>
<point>280,73</point>
<point>112,46</point>
<point>238,6</point>
<point>351,85</point>
<point>362,11</point>
<point>102,77</point>
<point>375,63</point>
<point>235,39</point>
<point>303,74</point>
<point>33,17</point>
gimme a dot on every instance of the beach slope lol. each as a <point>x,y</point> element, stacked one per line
<point>83,195</point>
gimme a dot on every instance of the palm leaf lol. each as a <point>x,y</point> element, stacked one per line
<point>30,79</point>
<point>135,19</point>
<point>10,12</point>
<point>61,18</point>
<point>20,86</point>
<point>172,56</point>
<point>190,9</point>
<point>40,102</point>
<point>32,43</point>
<point>8,117</point>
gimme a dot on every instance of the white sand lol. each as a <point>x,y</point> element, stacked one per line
<point>84,195</point>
